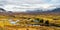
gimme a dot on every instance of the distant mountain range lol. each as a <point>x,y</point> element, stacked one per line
<point>2,10</point>
<point>35,11</point>
<point>38,11</point>
<point>56,10</point>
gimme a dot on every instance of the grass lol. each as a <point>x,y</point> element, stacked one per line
<point>29,19</point>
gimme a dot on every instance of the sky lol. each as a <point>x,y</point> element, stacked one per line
<point>23,5</point>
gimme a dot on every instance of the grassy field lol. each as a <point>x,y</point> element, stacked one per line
<point>30,22</point>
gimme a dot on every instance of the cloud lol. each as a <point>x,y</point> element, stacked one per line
<point>18,2</point>
<point>23,5</point>
<point>25,1</point>
<point>55,1</point>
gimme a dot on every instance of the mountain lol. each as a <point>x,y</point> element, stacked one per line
<point>2,10</point>
<point>38,11</point>
<point>56,10</point>
<point>34,11</point>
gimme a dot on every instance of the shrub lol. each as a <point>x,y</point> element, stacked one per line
<point>47,23</point>
<point>41,21</point>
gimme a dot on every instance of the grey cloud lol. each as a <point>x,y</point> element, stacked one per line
<point>29,3</point>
